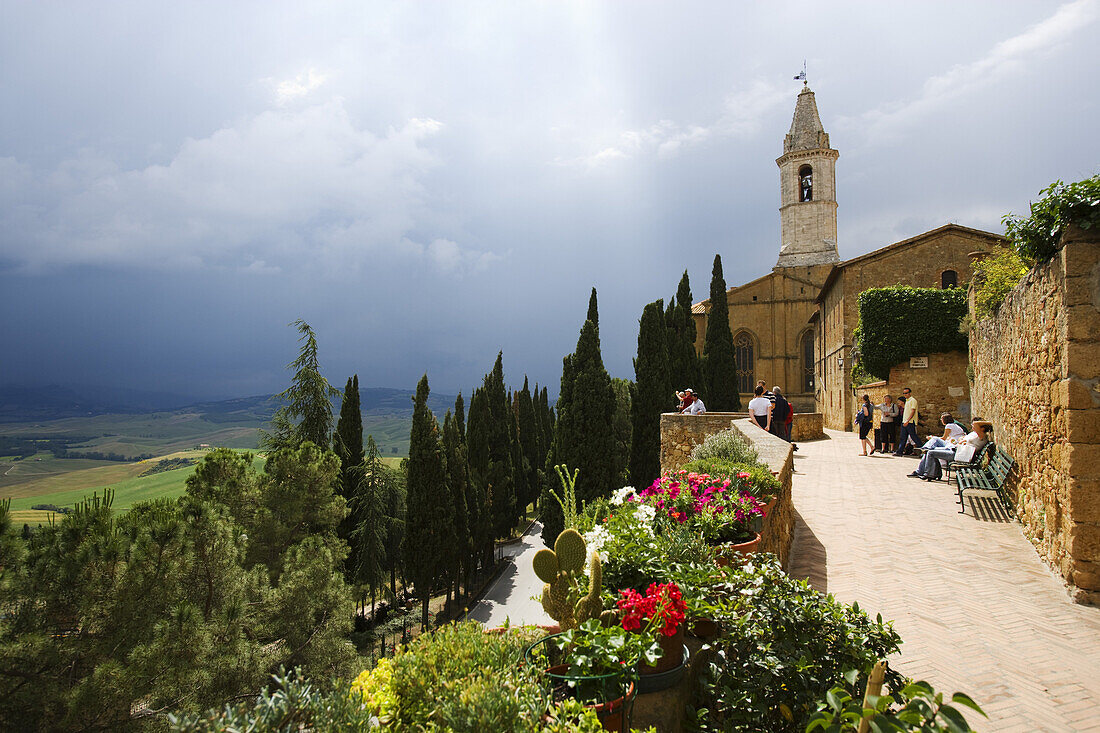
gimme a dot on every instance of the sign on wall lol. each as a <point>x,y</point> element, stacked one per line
<point>918,362</point>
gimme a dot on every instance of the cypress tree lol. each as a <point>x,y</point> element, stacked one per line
<point>593,310</point>
<point>460,416</point>
<point>348,441</point>
<point>684,363</point>
<point>477,457</point>
<point>582,433</point>
<point>457,478</point>
<point>621,429</point>
<point>652,391</point>
<point>501,475</point>
<point>529,441</point>
<point>719,370</point>
<point>367,505</point>
<point>426,522</point>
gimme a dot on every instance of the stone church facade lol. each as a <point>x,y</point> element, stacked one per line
<point>779,335</point>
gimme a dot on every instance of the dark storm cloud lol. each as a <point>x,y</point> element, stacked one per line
<point>429,183</point>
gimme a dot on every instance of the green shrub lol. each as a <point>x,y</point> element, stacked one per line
<point>457,678</point>
<point>900,322</point>
<point>1036,237</point>
<point>994,278</point>
<point>784,646</point>
<point>728,445</point>
<point>921,709</point>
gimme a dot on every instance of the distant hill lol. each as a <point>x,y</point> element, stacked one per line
<point>53,402</point>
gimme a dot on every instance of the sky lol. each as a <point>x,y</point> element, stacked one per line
<point>429,183</point>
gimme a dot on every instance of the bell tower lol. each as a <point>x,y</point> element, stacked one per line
<point>807,179</point>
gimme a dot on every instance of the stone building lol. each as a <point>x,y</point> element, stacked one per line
<point>940,258</point>
<point>774,336</point>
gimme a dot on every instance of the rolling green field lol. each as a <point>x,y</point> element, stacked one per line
<point>45,479</point>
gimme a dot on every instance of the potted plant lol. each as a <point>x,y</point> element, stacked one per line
<point>597,665</point>
<point>661,611</point>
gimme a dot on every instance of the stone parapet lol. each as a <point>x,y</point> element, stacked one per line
<point>681,433</point>
<point>1037,378</point>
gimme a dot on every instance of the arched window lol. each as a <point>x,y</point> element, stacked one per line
<point>805,183</point>
<point>806,349</point>
<point>949,279</point>
<point>743,359</point>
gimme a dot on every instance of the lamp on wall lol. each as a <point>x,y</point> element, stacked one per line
<point>840,361</point>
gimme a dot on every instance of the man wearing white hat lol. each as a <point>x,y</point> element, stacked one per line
<point>696,407</point>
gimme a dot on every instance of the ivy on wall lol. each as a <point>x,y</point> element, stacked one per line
<point>897,323</point>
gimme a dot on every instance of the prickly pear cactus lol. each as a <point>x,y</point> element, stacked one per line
<point>558,570</point>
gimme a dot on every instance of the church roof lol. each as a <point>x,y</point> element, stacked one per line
<point>807,132</point>
<point>891,248</point>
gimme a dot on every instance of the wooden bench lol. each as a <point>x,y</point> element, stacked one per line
<point>993,478</point>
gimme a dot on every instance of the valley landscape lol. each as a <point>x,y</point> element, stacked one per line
<point>38,420</point>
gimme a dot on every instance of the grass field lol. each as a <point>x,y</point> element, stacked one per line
<point>129,487</point>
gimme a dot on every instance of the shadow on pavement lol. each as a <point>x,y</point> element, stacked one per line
<point>809,559</point>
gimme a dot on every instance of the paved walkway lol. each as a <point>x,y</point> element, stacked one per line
<point>976,608</point>
<point>513,594</point>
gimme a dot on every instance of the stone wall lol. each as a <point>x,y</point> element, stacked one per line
<point>681,433</point>
<point>940,387</point>
<point>1037,378</point>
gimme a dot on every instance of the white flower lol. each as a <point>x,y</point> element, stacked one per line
<point>618,496</point>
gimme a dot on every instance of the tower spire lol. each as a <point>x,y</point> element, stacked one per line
<point>807,177</point>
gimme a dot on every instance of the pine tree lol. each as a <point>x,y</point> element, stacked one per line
<point>307,414</point>
<point>652,391</point>
<point>348,441</point>
<point>719,369</point>
<point>426,522</point>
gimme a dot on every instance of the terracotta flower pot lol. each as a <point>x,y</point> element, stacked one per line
<point>723,556</point>
<point>672,653</point>
<point>770,505</point>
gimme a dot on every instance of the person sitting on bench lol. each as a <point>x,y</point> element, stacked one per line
<point>937,449</point>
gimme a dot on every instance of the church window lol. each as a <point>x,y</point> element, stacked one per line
<point>743,358</point>
<point>807,351</point>
<point>949,279</point>
<point>805,183</point>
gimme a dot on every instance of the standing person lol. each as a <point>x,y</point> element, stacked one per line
<point>680,405</point>
<point>764,386</point>
<point>908,428</point>
<point>863,422</point>
<point>888,422</point>
<point>781,410</point>
<point>790,422</point>
<point>696,407</point>
<point>760,407</point>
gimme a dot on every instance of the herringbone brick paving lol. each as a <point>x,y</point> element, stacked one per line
<point>977,609</point>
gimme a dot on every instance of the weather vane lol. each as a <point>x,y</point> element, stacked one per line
<point>802,75</point>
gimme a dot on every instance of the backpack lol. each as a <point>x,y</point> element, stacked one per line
<point>861,416</point>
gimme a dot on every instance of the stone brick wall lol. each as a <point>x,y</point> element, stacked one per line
<point>1037,378</point>
<point>940,387</point>
<point>681,433</point>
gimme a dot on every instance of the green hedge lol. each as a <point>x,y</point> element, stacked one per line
<point>897,323</point>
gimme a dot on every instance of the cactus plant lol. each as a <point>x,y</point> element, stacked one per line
<point>558,569</point>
